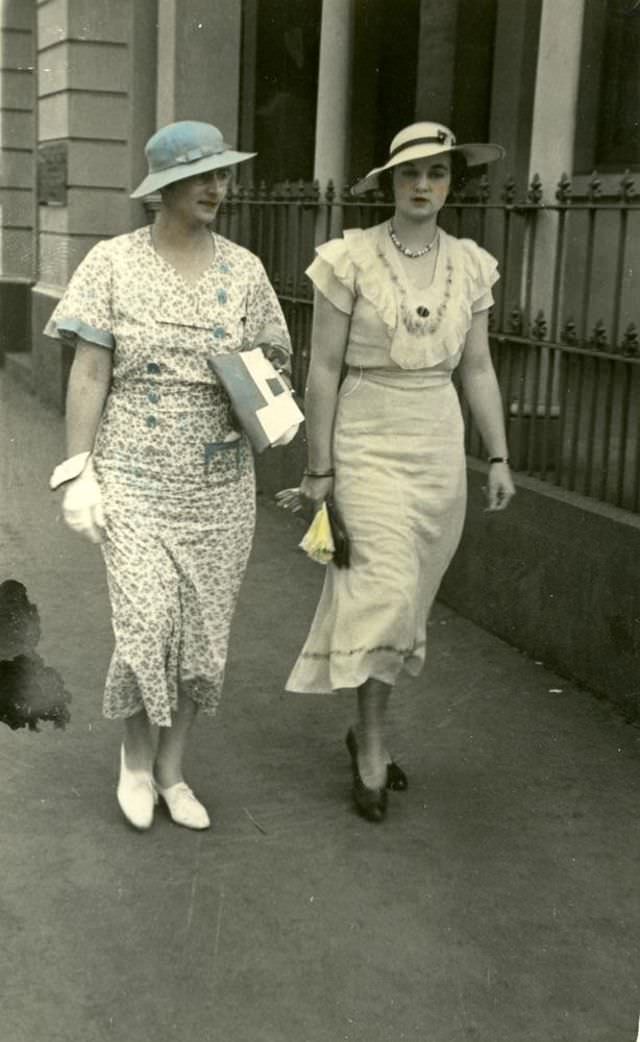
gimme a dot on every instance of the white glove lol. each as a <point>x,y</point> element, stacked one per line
<point>82,505</point>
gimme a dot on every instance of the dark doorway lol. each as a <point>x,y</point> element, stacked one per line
<point>286,77</point>
<point>384,77</point>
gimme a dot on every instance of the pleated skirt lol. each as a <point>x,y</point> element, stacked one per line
<point>401,487</point>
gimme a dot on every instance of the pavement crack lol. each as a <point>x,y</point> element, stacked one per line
<point>254,822</point>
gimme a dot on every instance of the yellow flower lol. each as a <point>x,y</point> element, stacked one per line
<point>318,541</point>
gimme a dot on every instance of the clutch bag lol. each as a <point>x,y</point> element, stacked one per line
<point>342,546</point>
<point>261,398</point>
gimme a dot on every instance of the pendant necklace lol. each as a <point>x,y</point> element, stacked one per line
<point>419,321</point>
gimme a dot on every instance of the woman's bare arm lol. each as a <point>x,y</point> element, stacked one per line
<point>89,383</point>
<point>480,387</point>
<point>328,347</point>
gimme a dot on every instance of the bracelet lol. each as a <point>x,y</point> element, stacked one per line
<point>317,474</point>
<point>498,459</point>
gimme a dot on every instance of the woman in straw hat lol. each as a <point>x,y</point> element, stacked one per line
<point>403,304</point>
<point>157,472</point>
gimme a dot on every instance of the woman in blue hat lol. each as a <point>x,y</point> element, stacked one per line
<point>157,472</point>
<point>403,305</point>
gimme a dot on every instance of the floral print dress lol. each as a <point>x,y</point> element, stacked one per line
<point>177,479</point>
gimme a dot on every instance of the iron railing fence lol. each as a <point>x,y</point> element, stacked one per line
<point>564,328</point>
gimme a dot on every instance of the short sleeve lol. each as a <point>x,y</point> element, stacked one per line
<point>264,316</point>
<point>484,275</point>
<point>333,273</point>
<point>86,308</point>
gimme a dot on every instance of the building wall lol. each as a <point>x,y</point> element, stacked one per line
<point>17,175</point>
<point>94,64</point>
<point>559,577</point>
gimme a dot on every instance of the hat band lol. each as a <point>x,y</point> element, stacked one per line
<point>191,157</point>
<point>439,140</point>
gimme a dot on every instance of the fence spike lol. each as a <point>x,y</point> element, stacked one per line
<point>564,190</point>
<point>627,187</point>
<point>345,194</point>
<point>515,320</point>
<point>315,192</point>
<point>262,191</point>
<point>508,193</point>
<point>630,345</point>
<point>539,327</point>
<point>599,336</point>
<point>569,333</point>
<point>594,189</point>
<point>330,192</point>
<point>534,194</point>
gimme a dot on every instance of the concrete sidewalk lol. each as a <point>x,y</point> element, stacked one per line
<point>497,903</point>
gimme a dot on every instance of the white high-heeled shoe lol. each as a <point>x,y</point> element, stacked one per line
<point>136,795</point>
<point>184,808</point>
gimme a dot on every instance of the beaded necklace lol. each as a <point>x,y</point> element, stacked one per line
<point>404,250</point>
<point>426,321</point>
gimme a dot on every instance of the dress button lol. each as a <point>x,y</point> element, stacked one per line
<point>151,422</point>
<point>153,367</point>
<point>153,397</point>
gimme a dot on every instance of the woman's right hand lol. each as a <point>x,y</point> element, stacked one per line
<point>315,490</point>
<point>308,495</point>
<point>82,505</point>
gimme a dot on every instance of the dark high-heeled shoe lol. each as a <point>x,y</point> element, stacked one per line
<point>396,778</point>
<point>371,803</point>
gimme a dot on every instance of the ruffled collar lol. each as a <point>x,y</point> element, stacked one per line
<point>417,341</point>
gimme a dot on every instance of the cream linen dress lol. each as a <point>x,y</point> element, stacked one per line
<point>177,482</point>
<point>399,459</point>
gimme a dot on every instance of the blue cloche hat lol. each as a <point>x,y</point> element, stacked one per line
<point>182,150</point>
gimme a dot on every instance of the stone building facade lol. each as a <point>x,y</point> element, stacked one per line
<point>316,86</point>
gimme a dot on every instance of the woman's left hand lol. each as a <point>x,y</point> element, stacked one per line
<point>279,357</point>
<point>500,489</point>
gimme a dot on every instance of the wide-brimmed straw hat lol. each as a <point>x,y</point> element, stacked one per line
<point>182,150</point>
<point>422,141</point>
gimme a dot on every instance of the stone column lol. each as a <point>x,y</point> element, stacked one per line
<point>199,43</point>
<point>556,91</point>
<point>334,96</point>
<point>553,128</point>
<point>550,154</point>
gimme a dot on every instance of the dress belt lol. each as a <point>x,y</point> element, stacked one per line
<point>410,378</point>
